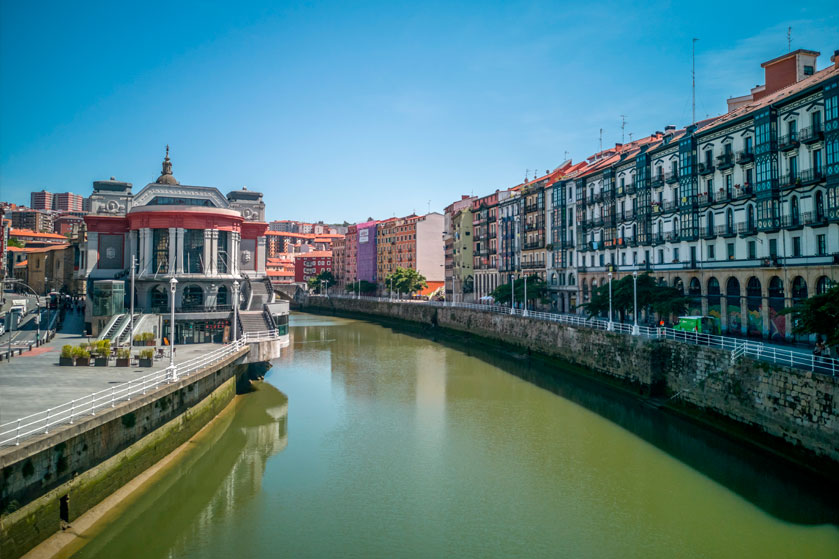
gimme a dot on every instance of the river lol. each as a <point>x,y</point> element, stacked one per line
<point>369,442</point>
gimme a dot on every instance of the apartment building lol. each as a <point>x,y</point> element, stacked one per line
<point>457,245</point>
<point>414,242</point>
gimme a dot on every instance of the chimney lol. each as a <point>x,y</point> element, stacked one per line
<point>670,128</point>
<point>787,70</point>
<point>835,59</point>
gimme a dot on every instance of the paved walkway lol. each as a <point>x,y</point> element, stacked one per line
<point>34,381</point>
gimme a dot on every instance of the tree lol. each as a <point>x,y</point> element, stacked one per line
<point>364,286</point>
<point>15,243</point>
<point>662,299</point>
<point>323,276</point>
<point>818,315</point>
<point>405,280</point>
<point>537,289</point>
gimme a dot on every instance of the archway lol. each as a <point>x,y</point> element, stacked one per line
<point>777,321</point>
<point>695,294</point>
<point>714,306</point>
<point>677,283</point>
<point>799,293</point>
<point>754,307</point>
<point>732,303</point>
<point>823,284</point>
<point>159,299</point>
<point>192,298</point>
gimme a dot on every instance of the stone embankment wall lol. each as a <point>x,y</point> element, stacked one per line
<point>88,461</point>
<point>796,406</point>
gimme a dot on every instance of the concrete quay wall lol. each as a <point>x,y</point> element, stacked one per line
<point>86,462</point>
<point>798,407</point>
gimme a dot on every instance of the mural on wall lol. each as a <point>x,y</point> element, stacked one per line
<point>734,318</point>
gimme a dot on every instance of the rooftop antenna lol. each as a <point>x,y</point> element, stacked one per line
<point>601,139</point>
<point>566,155</point>
<point>693,78</point>
<point>623,126</point>
<point>429,206</point>
<point>630,137</point>
<point>789,39</point>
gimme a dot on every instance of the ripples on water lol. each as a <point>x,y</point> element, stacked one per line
<point>393,445</point>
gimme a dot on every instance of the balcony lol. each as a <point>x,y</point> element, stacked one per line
<point>790,179</point>
<point>627,215</point>
<point>533,265</point>
<point>745,156</point>
<point>814,219</point>
<point>788,142</point>
<point>658,181</point>
<point>704,198</point>
<point>672,178</point>
<point>671,236</point>
<point>811,176</point>
<point>746,229</point>
<point>708,233</point>
<point>531,245</point>
<point>725,161</point>
<point>597,222</point>
<point>705,168</point>
<point>792,222</point>
<point>631,188</point>
<point>726,231</point>
<point>531,208</point>
<point>811,135</point>
<point>598,197</point>
<point>531,226</point>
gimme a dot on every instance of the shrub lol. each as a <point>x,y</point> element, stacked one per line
<point>84,354</point>
<point>103,348</point>
<point>148,336</point>
<point>147,354</point>
<point>84,345</point>
<point>138,337</point>
<point>123,353</point>
<point>67,351</point>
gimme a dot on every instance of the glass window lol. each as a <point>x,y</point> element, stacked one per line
<point>160,250</point>
<point>730,248</point>
<point>796,246</point>
<point>752,250</point>
<point>773,248</point>
<point>711,250</point>
<point>822,244</point>
<point>194,251</point>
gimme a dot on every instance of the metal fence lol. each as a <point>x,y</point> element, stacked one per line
<point>13,432</point>
<point>737,346</point>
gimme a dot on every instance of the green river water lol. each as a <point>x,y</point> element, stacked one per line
<point>369,442</point>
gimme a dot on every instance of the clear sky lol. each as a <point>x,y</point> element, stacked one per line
<point>344,110</point>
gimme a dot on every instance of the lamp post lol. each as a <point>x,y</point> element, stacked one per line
<point>173,283</point>
<point>635,330</point>
<point>610,326</point>
<point>131,316</point>
<point>235,310</point>
<point>512,294</point>
<point>525,297</point>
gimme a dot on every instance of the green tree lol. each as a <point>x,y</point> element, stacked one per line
<point>364,286</point>
<point>405,280</point>
<point>818,315</point>
<point>662,299</point>
<point>324,275</point>
<point>537,289</point>
<point>15,243</point>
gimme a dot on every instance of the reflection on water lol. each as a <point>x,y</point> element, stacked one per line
<point>401,446</point>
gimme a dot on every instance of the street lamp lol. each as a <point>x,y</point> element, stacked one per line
<point>610,326</point>
<point>525,297</point>
<point>235,310</point>
<point>635,330</point>
<point>173,283</point>
<point>512,294</point>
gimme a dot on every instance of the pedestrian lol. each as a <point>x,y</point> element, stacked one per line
<point>817,350</point>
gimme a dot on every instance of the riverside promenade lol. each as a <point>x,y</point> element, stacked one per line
<point>33,381</point>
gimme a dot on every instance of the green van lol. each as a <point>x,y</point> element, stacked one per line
<point>701,324</point>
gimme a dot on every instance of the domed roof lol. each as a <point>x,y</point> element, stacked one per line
<point>166,177</point>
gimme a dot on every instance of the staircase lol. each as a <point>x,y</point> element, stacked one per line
<point>254,321</point>
<point>117,328</point>
<point>122,337</point>
<point>261,293</point>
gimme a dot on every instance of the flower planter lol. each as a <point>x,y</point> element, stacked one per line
<point>66,361</point>
<point>123,362</point>
<point>145,362</point>
<point>83,362</point>
<point>150,343</point>
<point>101,361</point>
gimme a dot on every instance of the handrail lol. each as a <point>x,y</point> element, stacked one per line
<point>738,347</point>
<point>13,432</point>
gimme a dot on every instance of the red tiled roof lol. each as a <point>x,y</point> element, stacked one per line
<point>431,287</point>
<point>31,233</point>
<point>314,254</point>
<point>37,249</point>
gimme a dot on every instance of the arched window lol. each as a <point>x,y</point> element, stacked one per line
<point>553,279</point>
<point>819,207</point>
<point>695,289</point>
<point>823,284</point>
<point>571,280</point>
<point>793,210</point>
<point>159,298</point>
<point>713,286</point>
<point>753,287</point>
<point>754,307</point>
<point>677,283</point>
<point>192,298</point>
<point>799,289</point>
<point>732,287</point>
<point>776,288</point>
<point>222,296</point>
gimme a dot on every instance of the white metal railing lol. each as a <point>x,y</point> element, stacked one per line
<point>737,346</point>
<point>13,432</point>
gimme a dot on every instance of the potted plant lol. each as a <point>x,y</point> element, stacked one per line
<point>148,337</point>
<point>67,358</point>
<point>82,357</point>
<point>146,357</point>
<point>103,352</point>
<point>123,357</point>
<point>138,339</point>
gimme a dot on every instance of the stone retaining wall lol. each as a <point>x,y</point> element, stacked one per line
<point>90,460</point>
<point>796,406</point>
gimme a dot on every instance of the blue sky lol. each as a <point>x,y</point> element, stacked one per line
<point>340,111</point>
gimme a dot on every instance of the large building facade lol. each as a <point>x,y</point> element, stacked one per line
<point>194,234</point>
